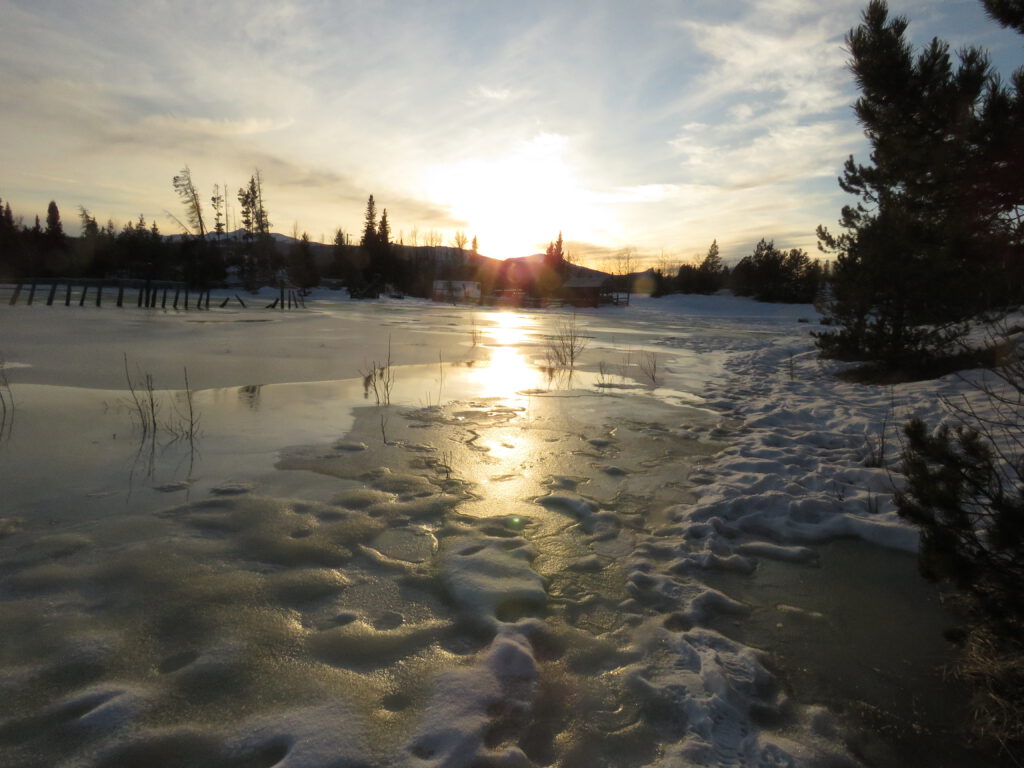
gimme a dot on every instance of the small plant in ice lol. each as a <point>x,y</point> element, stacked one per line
<point>565,347</point>
<point>440,376</point>
<point>602,375</point>
<point>142,394</point>
<point>649,366</point>
<point>6,402</point>
<point>627,363</point>
<point>145,408</point>
<point>380,379</point>
<point>185,425</point>
<point>445,463</point>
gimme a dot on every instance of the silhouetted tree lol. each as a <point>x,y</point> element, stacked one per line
<point>707,277</point>
<point>384,230</point>
<point>217,203</point>
<point>12,252</point>
<point>369,237</point>
<point>938,232</point>
<point>1009,13</point>
<point>769,274</point>
<point>259,254</point>
<point>190,199</point>
<point>301,266</point>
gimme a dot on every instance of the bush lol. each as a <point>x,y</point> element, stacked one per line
<point>965,491</point>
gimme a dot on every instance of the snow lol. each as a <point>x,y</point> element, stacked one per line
<point>488,570</point>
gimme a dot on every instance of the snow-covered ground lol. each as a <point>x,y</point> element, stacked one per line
<point>647,564</point>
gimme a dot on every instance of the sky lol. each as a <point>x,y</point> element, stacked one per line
<point>650,125</point>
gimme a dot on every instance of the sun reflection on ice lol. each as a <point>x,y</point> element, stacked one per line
<point>508,374</point>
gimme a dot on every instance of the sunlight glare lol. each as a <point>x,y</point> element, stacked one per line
<point>517,202</point>
<point>508,372</point>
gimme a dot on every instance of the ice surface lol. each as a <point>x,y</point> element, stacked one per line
<point>494,569</point>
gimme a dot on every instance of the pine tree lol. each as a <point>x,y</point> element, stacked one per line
<point>936,232</point>
<point>258,253</point>
<point>384,231</point>
<point>712,263</point>
<point>54,228</point>
<point>217,203</point>
<point>190,198</point>
<point>1009,13</point>
<point>369,224</point>
<point>301,265</point>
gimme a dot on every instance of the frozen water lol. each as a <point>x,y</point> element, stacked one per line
<point>496,565</point>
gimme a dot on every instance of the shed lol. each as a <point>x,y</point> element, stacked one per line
<point>583,291</point>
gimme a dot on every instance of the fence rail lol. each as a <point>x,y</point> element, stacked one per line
<point>149,293</point>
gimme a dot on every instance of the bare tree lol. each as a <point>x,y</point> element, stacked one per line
<point>625,266</point>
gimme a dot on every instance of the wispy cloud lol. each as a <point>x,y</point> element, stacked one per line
<point>656,124</point>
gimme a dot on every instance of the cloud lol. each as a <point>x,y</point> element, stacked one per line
<point>207,126</point>
<point>735,157</point>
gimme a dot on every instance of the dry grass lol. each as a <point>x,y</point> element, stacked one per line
<point>993,665</point>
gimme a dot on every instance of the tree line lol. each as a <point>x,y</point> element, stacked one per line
<point>205,253</point>
<point>768,274</point>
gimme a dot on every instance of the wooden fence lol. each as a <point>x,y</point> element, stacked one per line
<point>149,293</point>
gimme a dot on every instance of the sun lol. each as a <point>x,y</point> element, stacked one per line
<point>517,202</point>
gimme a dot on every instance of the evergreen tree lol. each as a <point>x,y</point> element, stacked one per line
<point>217,203</point>
<point>11,252</point>
<point>708,277</point>
<point>712,263</point>
<point>936,234</point>
<point>190,198</point>
<point>302,269</point>
<point>965,491</point>
<point>259,254</point>
<point>1009,13</point>
<point>369,237</point>
<point>54,228</point>
<point>384,231</point>
<point>770,274</point>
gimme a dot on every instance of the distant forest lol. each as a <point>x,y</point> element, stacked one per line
<point>206,255</point>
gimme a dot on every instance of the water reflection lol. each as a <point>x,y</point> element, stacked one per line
<point>250,395</point>
<point>509,373</point>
